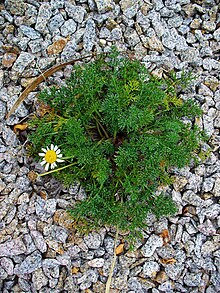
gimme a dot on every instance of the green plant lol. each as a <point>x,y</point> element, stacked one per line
<point>121,131</point>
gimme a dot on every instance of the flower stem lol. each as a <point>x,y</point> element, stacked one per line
<point>52,171</point>
<point>66,158</point>
<point>108,284</point>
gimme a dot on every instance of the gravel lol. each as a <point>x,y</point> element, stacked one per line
<point>39,248</point>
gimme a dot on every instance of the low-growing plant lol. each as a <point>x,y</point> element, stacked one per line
<point>121,131</point>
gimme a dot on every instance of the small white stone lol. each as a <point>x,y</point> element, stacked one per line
<point>104,5</point>
<point>151,268</point>
<point>96,262</point>
<point>151,245</point>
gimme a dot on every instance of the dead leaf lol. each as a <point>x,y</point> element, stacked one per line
<point>42,109</point>
<point>165,235</point>
<point>161,277</point>
<point>63,219</point>
<point>74,270</point>
<point>168,261</point>
<point>8,59</point>
<point>119,249</point>
<point>20,127</point>
<point>11,49</point>
<point>60,250</point>
<point>57,46</point>
<point>43,194</point>
<point>162,163</point>
<point>32,176</point>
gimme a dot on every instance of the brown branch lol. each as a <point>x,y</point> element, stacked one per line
<point>41,78</point>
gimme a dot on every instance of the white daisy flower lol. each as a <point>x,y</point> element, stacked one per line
<point>51,156</point>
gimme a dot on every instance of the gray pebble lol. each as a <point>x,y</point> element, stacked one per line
<point>93,240</point>
<point>216,34</point>
<point>51,268</point>
<point>69,52</point>
<point>13,247</point>
<point>29,32</point>
<point>39,279</point>
<point>7,16</point>
<point>55,22</point>
<point>193,279</point>
<point>76,13</point>
<point>73,251</point>
<point>191,198</point>
<point>169,38</point>
<point>96,262</point>
<point>135,285</point>
<point>212,211</point>
<point>175,21</point>
<point>2,110</point>
<point>216,190</point>
<point>39,241</point>
<point>129,7</point>
<point>3,274</point>
<point>207,228</point>
<point>192,56</point>
<point>174,271</point>
<point>30,264</point>
<point>22,62</point>
<point>165,12</point>
<point>116,34</point>
<point>29,243</point>
<point>153,242</point>
<point>150,269</point>
<point>209,25</point>
<point>24,285</point>
<point>208,121</point>
<point>23,43</point>
<point>167,286</point>
<point>44,15</point>
<point>208,184</point>
<point>55,4</point>
<point>7,265</point>
<point>35,45</point>
<point>45,209</point>
<point>104,5</point>
<point>89,36</point>
<point>68,28</point>
<point>10,215</point>
<point>131,37</point>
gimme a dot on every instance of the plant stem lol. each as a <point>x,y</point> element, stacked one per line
<point>52,171</point>
<point>108,284</point>
<point>66,158</point>
<point>103,129</point>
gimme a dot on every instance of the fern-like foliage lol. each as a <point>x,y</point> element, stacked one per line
<point>123,130</point>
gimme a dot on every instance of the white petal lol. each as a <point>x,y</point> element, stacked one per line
<point>44,150</point>
<point>58,151</point>
<point>52,146</point>
<point>55,148</point>
<point>47,148</point>
<point>43,162</point>
<point>59,155</point>
<point>41,154</point>
<point>47,166</point>
<point>60,161</point>
<point>53,165</point>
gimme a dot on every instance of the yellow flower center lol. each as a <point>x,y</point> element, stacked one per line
<point>50,156</point>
